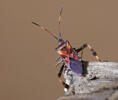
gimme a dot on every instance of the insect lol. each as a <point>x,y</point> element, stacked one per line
<point>69,57</point>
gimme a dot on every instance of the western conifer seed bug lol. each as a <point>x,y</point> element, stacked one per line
<point>68,56</point>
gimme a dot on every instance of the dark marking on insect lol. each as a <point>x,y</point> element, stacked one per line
<point>68,56</point>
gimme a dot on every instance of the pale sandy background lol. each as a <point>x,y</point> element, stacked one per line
<point>27,54</point>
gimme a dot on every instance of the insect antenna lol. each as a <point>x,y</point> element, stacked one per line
<point>59,20</point>
<point>46,30</point>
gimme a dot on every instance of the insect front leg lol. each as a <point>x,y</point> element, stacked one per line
<point>90,48</point>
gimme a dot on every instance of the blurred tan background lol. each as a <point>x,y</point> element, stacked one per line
<point>27,54</point>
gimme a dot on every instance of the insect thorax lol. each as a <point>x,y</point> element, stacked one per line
<point>66,52</point>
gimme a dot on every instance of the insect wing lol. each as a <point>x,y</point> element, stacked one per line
<point>76,66</point>
<point>74,60</point>
<point>70,57</point>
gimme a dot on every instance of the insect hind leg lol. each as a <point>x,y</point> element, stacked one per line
<point>90,48</point>
<point>59,76</point>
<point>66,85</point>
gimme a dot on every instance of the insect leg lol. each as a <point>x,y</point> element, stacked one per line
<point>66,86</point>
<point>60,71</point>
<point>59,62</point>
<point>58,58</point>
<point>90,48</point>
<point>59,76</point>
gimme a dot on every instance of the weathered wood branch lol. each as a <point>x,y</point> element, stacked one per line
<point>99,82</point>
